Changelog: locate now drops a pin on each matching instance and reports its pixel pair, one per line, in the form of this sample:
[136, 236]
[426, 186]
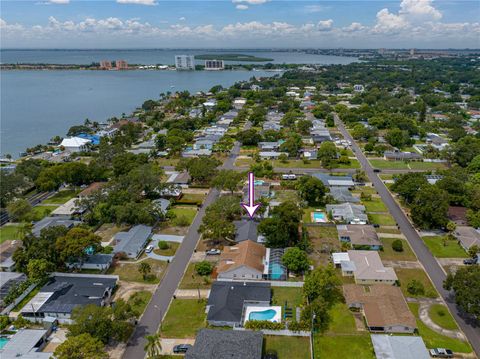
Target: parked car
[441, 353]
[213, 252]
[270, 354]
[149, 249]
[470, 261]
[181, 348]
[377, 170]
[289, 176]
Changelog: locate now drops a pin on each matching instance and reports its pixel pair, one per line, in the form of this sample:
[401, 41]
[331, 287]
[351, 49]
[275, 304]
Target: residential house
[368, 268]
[383, 306]
[226, 344]
[269, 146]
[360, 236]
[227, 300]
[8, 280]
[7, 248]
[347, 212]
[271, 155]
[161, 205]
[436, 141]
[309, 154]
[91, 189]
[402, 156]
[68, 209]
[203, 144]
[320, 135]
[342, 195]
[99, 261]
[65, 291]
[179, 178]
[261, 190]
[75, 144]
[47, 222]
[335, 181]
[132, 242]
[243, 261]
[238, 103]
[271, 125]
[196, 153]
[26, 344]
[195, 113]
[399, 347]
[338, 258]
[246, 229]
[467, 236]
[94, 139]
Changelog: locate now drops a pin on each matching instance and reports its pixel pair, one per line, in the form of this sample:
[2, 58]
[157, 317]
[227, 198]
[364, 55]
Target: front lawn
[433, 339]
[192, 198]
[344, 346]
[384, 164]
[375, 205]
[40, 212]
[170, 251]
[61, 197]
[182, 212]
[381, 219]
[406, 275]
[451, 249]
[9, 232]
[129, 271]
[442, 317]
[427, 166]
[287, 347]
[139, 301]
[390, 255]
[184, 318]
[353, 164]
[191, 280]
[243, 162]
[296, 164]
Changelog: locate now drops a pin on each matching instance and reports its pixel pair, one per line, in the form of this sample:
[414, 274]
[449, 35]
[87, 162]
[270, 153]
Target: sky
[239, 24]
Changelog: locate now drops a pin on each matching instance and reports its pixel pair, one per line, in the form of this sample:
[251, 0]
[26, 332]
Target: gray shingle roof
[227, 298]
[133, 240]
[399, 347]
[48, 222]
[226, 344]
[245, 229]
[342, 194]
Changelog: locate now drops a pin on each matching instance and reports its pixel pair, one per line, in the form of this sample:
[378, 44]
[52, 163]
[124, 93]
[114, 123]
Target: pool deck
[277, 318]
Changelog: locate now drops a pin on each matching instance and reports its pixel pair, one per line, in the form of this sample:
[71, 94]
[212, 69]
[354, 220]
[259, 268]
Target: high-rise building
[412, 52]
[105, 64]
[121, 65]
[214, 65]
[184, 62]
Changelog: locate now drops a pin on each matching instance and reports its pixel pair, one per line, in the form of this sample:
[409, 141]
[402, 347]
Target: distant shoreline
[232, 57]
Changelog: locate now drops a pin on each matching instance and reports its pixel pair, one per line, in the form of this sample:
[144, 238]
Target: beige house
[383, 306]
[244, 261]
[367, 268]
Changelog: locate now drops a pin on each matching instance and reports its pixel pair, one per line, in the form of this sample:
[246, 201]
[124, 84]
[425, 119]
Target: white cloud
[325, 25]
[421, 9]
[389, 22]
[241, 7]
[138, 2]
[314, 8]
[63, 2]
[353, 27]
[182, 18]
[251, 2]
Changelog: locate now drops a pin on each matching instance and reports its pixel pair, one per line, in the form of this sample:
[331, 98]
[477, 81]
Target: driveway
[433, 269]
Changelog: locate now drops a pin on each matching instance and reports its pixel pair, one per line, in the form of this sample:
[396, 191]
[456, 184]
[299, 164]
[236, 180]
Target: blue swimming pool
[319, 217]
[258, 182]
[3, 342]
[276, 271]
[268, 314]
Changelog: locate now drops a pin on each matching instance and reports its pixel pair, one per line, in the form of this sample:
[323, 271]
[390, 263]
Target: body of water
[157, 56]
[37, 105]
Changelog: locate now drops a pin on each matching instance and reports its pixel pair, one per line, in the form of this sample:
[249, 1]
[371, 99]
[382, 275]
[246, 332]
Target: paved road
[435, 272]
[300, 171]
[158, 306]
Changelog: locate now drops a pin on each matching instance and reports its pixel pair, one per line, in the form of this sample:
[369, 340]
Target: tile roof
[383, 305]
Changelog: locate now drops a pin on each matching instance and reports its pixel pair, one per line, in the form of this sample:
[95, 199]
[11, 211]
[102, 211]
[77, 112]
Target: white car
[149, 249]
[290, 176]
[213, 252]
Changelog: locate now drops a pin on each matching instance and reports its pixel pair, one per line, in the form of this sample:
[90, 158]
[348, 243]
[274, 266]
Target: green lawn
[287, 347]
[286, 195]
[184, 318]
[375, 205]
[129, 271]
[9, 232]
[167, 161]
[442, 317]
[292, 295]
[296, 164]
[389, 230]
[365, 189]
[381, 219]
[196, 198]
[243, 162]
[342, 320]
[170, 251]
[61, 197]
[39, 212]
[352, 164]
[451, 249]
[390, 255]
[139, 301]
[184, 211]
[405, 275]
[324, 240]
[345, 346]
[433, 339]
[427, 166]
[191, 280]
[384, 164]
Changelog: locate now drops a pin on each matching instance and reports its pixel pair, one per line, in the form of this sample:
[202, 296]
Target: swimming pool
[319, 217]
[3, 341]
[276, 271]
[258, 182]
[272, 314]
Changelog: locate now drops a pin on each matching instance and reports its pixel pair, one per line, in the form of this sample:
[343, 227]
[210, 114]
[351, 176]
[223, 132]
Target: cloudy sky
[239, 24]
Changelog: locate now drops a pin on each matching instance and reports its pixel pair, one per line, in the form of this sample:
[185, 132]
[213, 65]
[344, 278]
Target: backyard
[324, 240]
[184, 318]
[182, 213]
[287, 347]
[9, 232]
[444, 248]
[291, 296]
[39, 212]
[433, 339]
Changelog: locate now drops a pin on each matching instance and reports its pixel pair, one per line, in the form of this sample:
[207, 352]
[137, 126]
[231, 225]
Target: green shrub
[298, 326]
[204, 268]
[415, 287]
[263, 324]
[181, 221]
[397, 245]
[163, 245]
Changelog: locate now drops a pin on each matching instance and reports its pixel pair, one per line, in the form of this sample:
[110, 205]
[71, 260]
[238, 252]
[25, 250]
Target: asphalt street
[433, 269]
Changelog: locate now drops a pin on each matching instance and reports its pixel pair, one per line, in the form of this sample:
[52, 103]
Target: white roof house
[75, 144]
[69, 208]
[399, 347]
[340, 257]
[369, 268]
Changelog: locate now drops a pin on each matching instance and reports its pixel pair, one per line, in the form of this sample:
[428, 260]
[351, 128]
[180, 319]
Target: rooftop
[48, 222]
[358, 234]
[399, 347]
[133, 240]
[342, 194]
[369, 266]
[245, 229]
[23, 343]
[246, 253]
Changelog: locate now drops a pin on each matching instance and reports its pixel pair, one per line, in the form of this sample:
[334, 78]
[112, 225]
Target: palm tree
[153, 346]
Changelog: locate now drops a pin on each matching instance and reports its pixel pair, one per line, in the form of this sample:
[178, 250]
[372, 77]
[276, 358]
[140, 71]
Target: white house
[75, 144]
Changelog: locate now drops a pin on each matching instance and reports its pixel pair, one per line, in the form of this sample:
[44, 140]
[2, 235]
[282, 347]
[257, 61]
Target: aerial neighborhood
[130, 237]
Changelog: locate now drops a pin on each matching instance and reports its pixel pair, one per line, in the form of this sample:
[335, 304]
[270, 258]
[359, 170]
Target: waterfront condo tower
[184, 62]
